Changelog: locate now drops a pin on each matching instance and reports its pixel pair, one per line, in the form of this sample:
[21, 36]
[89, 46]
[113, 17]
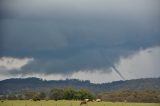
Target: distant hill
[18, 84]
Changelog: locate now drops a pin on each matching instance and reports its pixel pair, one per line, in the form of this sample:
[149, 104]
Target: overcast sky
[97, 40]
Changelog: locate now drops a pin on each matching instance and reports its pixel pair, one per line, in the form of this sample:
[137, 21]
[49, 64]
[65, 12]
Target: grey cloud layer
[67, 36]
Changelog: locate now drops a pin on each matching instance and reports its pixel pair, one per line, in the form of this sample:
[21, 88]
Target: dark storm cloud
[67, 36]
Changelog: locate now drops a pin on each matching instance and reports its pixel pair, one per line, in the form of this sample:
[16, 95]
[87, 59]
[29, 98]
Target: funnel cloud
[111, 65]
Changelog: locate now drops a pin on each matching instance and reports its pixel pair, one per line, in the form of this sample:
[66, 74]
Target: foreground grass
[69, 103]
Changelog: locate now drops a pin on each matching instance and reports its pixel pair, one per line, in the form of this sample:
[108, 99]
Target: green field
[69, 103]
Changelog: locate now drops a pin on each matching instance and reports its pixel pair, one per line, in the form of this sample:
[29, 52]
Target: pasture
[69, 103]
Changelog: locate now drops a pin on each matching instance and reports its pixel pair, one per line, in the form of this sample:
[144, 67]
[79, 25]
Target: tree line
[53, 94]
[70, 94]
[81, 94]
[147, 96]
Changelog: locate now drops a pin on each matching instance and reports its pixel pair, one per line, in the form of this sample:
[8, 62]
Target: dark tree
[57, 94]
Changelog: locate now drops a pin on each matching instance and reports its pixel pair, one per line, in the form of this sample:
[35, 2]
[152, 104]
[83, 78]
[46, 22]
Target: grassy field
[69, 103]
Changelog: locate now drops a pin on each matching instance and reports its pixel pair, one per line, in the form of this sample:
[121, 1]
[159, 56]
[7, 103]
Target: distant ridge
[20, 84]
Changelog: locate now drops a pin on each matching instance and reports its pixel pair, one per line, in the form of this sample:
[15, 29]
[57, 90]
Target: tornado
[113, 67]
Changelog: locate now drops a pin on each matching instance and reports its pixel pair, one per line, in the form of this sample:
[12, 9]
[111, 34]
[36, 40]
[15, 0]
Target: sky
[96, 40]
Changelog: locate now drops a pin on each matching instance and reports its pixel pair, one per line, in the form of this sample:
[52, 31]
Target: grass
[69, 103]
